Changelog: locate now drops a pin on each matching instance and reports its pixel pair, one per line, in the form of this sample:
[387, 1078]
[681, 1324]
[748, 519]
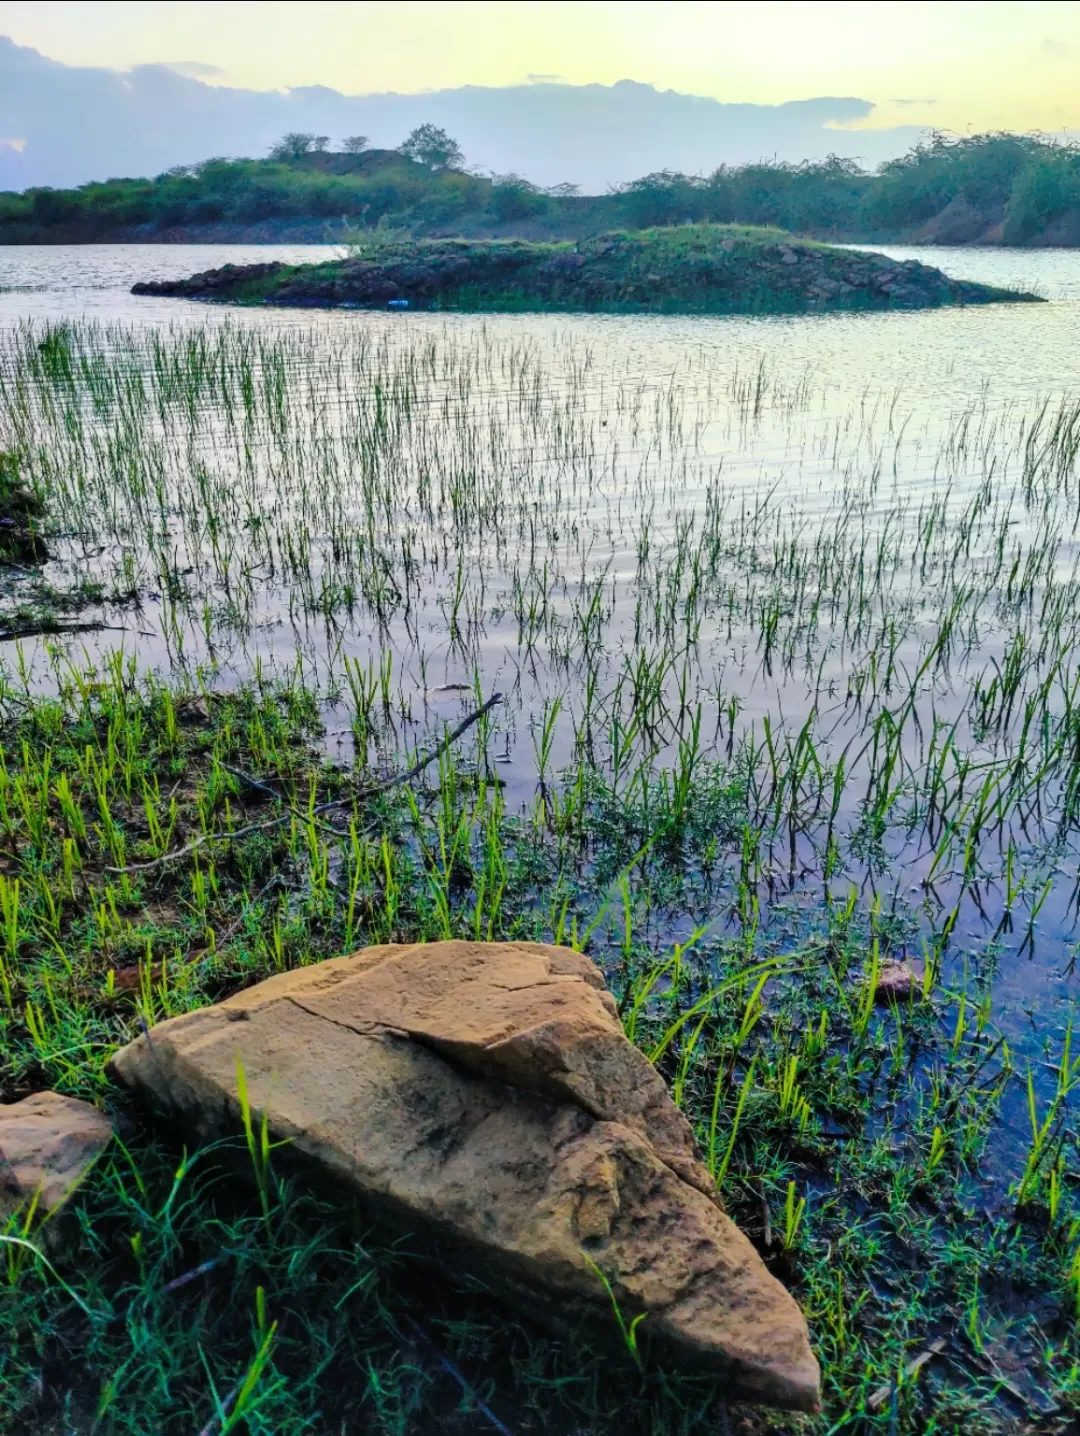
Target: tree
[354, 144]
[515, 198]
[1044, 190]
[297, 144]
[664, 197]
[430, 146]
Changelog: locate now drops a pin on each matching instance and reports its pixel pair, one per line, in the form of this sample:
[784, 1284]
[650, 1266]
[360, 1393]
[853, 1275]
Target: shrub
[1047, 187]
[515, 198]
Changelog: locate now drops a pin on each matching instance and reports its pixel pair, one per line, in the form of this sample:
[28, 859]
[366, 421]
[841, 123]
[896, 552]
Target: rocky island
[715, 269]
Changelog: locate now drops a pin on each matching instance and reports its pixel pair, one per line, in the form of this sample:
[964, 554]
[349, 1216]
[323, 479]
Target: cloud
[82, 124]
[1051, 46]
[913, 102]
[195, 69]
[17, 145]
[544, 79]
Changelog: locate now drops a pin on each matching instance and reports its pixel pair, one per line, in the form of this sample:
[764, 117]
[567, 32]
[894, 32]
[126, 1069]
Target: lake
[590, 460]
[784, 613]
[842, 545]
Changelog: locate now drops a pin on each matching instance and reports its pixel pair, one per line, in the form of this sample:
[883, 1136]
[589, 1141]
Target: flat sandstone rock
[484, 1097]
[47, 1145]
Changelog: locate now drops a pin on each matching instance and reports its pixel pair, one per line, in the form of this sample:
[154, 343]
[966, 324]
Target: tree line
[1022, 183]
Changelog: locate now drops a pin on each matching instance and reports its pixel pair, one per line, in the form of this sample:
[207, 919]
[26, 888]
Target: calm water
[1003, 350]
[578, 464]
[847, 405]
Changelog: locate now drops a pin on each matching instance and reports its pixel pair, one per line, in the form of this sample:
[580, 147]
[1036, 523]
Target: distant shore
[994, 189]
[956, 227]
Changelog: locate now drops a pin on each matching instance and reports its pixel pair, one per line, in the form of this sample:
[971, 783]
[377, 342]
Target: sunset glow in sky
[961, 66]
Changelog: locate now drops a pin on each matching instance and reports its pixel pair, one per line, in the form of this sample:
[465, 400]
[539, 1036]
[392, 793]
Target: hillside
[989, 189]
[690, 269]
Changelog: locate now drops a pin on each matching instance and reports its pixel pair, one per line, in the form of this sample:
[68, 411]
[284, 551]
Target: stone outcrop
[484, 1098]
[47, 1145]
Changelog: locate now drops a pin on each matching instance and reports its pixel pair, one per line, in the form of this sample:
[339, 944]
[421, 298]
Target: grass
[756, 742]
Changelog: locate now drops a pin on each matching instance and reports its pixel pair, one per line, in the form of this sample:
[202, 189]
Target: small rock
[483, 1097]
[48, 1143]
[896, 981]
[788, 256]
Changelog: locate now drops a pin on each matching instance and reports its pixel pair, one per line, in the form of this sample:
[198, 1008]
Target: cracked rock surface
[484, 1097]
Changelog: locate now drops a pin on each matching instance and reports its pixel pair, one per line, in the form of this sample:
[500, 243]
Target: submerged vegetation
[990, 188]
[20, 513]
[758, 741]
[717, 269]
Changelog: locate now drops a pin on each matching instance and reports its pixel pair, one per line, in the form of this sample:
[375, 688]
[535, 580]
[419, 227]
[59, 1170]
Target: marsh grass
[859, 1134]
[753, 747]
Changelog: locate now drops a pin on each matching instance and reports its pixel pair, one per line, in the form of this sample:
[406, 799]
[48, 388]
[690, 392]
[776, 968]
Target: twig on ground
[448, 1366]
[40, 630]
[440, 748]
[882, 1394]
[256, 783]
[374, 792]
[201, 1270]
[302, 813]
[219, 1417]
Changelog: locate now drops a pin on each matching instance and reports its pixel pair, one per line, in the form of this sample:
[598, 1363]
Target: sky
[961, 67]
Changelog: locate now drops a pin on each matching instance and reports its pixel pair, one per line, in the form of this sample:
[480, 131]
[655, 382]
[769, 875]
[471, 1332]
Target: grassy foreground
[712, 269]
[756, 741]
[843, 1136]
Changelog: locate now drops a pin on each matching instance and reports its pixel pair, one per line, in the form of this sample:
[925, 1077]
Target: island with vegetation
[719, 269]
[982, 189]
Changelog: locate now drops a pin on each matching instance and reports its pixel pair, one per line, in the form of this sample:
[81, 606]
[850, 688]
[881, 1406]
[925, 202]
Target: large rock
[47, 1145]
[483, 1096]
